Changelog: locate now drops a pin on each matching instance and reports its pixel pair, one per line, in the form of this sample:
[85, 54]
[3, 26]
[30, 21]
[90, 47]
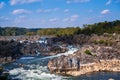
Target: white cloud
[53, 19]
[74, 17]
[3, 18]
[108, 2]
[20, 11]
[66, 19]
[105, 11]
[15, 2]
[22, 17]
[55, 9]
[47, 10]
[71, 18]
[44, 10]
[68, 2]
[76, 1]
[66, 10]
[2, 4]
[39, 11]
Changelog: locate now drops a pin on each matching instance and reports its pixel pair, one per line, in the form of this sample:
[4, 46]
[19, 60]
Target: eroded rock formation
[9, 51]
[88, 59]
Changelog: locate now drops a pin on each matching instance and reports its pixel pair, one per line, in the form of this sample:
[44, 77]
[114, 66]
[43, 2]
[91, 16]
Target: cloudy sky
[57, 13]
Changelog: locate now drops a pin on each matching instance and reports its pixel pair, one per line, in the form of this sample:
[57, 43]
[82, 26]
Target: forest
[87, 29]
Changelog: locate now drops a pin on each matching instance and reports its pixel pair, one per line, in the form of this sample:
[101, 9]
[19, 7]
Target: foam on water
[37, 71]
[34, 73]
[27, 58]
[70, 51]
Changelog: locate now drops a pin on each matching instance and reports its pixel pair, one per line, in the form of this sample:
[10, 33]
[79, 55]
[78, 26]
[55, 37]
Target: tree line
[87, 29]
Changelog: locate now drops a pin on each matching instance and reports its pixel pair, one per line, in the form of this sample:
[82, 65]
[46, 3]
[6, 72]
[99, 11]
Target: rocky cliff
[9, 51]
[42, 49]
[102, 65]
[88, 58]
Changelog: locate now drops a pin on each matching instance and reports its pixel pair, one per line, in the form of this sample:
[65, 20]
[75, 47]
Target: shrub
[94, 55]
[87, 52]
[95, 42]
[101, 41]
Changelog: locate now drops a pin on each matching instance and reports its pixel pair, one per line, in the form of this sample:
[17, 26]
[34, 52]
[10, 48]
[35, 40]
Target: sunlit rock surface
[101, 58]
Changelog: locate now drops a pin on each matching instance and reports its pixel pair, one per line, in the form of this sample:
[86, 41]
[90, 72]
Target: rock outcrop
[102, 65]
[42, 49]
[4, 75]
[9, 51]
[88, 59]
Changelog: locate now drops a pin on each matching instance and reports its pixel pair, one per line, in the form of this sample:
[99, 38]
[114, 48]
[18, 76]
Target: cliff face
[43, 49]
[112, 40]
[88, 59]
[9, 51]
[103, 65]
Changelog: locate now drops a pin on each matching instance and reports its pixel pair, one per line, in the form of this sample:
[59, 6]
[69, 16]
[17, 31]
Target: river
[35, 68]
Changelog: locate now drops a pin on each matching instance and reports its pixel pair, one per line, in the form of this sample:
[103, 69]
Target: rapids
[35, 68]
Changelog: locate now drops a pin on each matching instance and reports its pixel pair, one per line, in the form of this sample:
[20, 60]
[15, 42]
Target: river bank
[103, 65]
[12, 49]
[89, 58]
[92, 50]
[35, 67]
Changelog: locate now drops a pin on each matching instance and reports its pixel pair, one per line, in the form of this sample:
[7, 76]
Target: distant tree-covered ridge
[88, 29]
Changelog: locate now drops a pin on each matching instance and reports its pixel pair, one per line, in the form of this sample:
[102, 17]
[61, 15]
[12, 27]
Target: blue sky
[57, 13]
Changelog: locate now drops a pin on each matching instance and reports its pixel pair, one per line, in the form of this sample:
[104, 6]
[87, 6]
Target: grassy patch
[103, 42]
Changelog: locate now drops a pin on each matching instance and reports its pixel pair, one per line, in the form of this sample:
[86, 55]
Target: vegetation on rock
[88, 52]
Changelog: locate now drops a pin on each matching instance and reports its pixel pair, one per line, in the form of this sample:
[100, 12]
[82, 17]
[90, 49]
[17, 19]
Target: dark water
[99, 76]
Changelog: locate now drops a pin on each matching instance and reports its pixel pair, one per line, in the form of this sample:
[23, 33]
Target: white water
[37, 71]
[70, 51]
[27, 58]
